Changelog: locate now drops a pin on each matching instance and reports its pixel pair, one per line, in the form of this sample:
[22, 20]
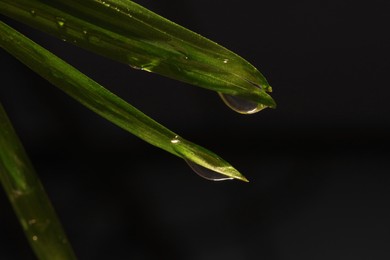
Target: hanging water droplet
[225, 61]
[241, 105]
[32, 12]
[207, 173]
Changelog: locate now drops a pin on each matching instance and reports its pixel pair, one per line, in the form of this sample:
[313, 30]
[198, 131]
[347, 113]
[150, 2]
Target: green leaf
[28, 198]
[106, 104]
[129, 33]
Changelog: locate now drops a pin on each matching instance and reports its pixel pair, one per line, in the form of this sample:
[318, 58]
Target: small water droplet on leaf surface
[175, 140]
[60, 22]
[207, 173]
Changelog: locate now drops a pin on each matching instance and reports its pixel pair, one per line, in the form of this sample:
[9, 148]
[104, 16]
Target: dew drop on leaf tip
[241, 105]
[207, 173]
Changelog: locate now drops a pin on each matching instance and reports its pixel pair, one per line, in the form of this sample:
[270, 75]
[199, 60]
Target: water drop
[207, 173]
[60, 22]
[85, 34]
[225, 61]
[145, 67]
[106, 4]
[33, 13]
[35, 238]
[175, 140]
[135, 67]
[148, 69]
[241, 105]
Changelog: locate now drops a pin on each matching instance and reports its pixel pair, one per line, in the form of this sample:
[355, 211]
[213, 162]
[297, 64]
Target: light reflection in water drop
[206, 173]
[147, 67]
[60, 22]
[241, 105]
[175, 140]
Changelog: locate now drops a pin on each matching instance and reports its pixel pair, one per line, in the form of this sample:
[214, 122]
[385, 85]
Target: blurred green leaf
[28, 198]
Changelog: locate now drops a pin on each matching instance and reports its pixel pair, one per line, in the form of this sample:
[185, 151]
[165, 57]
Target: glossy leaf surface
[127, 32]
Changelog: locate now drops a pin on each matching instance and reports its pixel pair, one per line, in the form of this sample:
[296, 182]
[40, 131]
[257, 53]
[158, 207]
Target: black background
[318, 165]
